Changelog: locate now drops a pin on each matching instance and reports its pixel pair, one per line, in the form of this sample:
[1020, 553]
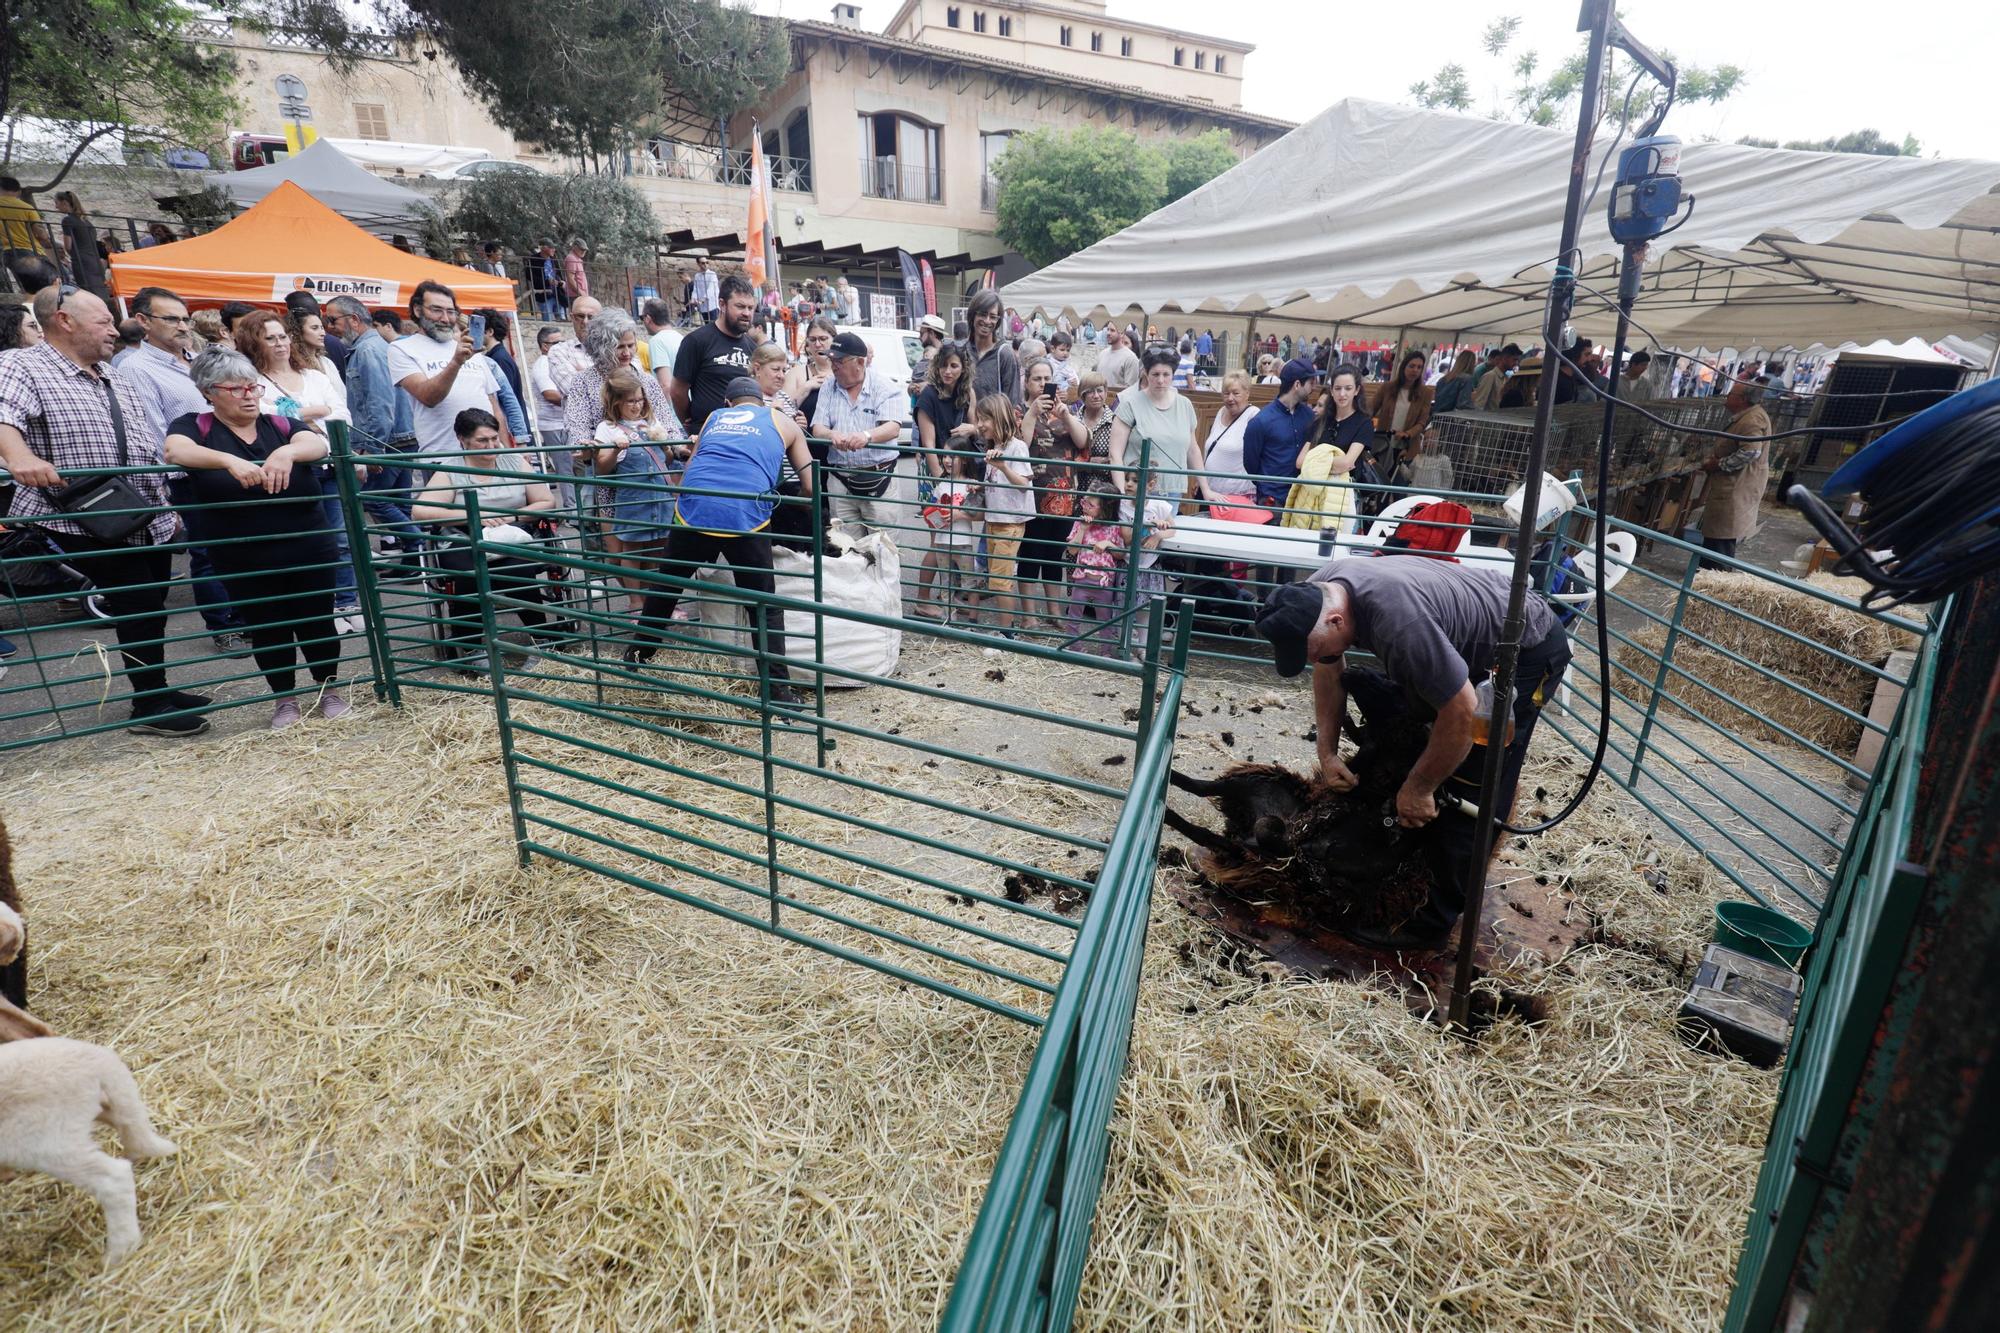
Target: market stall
[289, 242]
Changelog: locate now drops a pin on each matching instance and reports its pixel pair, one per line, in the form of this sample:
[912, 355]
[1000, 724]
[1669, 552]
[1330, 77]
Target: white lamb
[52, 1090]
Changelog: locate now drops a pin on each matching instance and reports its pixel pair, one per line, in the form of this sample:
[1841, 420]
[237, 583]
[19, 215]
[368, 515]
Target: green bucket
[1753, 929]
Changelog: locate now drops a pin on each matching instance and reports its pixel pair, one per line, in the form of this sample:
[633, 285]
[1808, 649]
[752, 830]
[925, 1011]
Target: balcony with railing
[893, 178]
[675, 159]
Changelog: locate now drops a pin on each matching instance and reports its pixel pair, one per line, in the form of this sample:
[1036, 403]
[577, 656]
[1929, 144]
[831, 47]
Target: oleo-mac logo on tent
[326, 286]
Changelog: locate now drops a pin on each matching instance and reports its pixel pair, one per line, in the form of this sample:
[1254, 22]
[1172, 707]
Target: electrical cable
[1624, 123]
[1600, 576]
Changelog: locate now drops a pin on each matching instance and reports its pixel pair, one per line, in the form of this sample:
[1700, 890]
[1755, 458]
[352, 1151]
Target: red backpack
[1434, 530]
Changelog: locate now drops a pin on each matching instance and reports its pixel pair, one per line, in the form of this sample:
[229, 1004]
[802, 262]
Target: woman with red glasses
[278, 562]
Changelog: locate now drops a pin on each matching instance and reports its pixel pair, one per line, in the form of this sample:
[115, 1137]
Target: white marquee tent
[1385, 217]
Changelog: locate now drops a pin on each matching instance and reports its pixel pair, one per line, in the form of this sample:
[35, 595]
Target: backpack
[1434, 530]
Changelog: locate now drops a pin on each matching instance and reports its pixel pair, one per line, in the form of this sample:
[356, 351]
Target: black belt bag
[107, 508]
[867, 482]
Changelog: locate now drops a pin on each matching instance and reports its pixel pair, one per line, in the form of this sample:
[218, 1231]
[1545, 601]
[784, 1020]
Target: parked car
[256, 150]
[482, 166]
[892, 351]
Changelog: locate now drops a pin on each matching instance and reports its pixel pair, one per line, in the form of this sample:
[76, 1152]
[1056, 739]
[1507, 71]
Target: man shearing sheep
[1434, 626]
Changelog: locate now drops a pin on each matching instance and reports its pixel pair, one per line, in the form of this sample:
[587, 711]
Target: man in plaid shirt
[56, 427]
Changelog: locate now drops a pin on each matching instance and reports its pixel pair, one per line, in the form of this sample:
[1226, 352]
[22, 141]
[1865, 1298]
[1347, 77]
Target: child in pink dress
[1097, 549]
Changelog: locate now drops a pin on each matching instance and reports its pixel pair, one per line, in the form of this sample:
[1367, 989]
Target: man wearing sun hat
[1434, 627]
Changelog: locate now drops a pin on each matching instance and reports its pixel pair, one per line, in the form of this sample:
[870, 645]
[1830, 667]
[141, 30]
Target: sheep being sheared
[51, 1092]
[1329, 857]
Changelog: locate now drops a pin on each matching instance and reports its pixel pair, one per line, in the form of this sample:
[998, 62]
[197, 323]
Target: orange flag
[757, 233]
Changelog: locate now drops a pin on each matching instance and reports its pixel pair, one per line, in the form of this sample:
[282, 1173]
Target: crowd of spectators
[1017, 465]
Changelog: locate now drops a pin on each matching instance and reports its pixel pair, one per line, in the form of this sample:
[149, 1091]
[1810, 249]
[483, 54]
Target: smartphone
[1049, 392]
[476, 326]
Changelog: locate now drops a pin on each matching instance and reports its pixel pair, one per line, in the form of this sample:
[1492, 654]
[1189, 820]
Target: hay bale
[1720, 681]
[420, 1086]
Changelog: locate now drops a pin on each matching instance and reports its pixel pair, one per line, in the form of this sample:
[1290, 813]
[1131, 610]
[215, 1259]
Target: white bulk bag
[856, 574]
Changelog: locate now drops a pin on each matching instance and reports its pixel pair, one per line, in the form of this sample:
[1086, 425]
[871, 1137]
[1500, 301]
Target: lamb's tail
[125, 1112]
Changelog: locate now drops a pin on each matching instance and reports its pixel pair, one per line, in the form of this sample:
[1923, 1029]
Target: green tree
[583, 77]
[1855, 141]
[1193, 163]
[1061, 191]
[99, 67]
[519, 208]
[1543, 99]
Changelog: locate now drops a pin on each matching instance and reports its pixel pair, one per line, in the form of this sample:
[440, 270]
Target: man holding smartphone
[428, 367]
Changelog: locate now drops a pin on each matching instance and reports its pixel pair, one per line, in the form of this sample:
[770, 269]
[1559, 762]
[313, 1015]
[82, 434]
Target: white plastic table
[1292, 548]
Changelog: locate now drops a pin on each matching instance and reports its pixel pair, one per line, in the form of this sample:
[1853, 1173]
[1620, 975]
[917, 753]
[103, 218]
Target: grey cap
[742, 387]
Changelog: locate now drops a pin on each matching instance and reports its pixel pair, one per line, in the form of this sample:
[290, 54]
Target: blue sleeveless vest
[741, 451]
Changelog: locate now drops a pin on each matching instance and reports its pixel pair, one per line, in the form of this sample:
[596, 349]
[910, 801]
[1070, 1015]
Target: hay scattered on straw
[415, 1085]
[1845, 631]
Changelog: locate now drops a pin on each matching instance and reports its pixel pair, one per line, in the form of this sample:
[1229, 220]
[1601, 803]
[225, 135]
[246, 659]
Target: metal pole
[1562, 289]
[496, 669]
[367, 585]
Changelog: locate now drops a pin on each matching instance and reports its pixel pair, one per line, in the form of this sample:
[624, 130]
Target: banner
[881, 311]
[930, 287]
[913, 286]
[756, 234]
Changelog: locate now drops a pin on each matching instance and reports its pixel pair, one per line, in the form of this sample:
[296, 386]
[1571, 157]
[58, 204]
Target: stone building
[876, 139]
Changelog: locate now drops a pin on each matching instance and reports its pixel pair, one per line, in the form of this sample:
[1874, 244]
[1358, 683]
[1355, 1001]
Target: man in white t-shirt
[427, 365]
[663, 340]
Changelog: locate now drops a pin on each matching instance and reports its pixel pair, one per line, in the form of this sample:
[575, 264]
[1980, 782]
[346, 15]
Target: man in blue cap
[1434, 626]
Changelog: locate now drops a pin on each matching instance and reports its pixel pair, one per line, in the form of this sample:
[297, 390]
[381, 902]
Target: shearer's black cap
[1286, 619]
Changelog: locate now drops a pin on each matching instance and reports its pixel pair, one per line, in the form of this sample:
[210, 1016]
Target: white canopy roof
[1384, 217]
[326, 174]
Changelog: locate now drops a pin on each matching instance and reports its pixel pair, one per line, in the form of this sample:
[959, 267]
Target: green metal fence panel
[1727, 765]
[1856, 951]
[1024, 1263]
[84, 620]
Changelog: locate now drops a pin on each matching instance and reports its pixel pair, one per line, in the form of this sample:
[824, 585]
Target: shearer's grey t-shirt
[1434, 625]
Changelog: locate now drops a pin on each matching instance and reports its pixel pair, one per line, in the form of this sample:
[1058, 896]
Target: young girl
[1009, 504]
[632, 446]
[952, 516]
[1097, 546]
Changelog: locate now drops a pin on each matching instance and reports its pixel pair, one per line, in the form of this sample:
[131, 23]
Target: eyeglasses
[239, 388]
[168, 319]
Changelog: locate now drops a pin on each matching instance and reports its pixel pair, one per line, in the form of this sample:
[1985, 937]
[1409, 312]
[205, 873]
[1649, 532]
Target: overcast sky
[1813, 70]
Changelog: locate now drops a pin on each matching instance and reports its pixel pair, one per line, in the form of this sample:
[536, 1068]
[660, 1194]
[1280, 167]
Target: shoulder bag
[109, 508]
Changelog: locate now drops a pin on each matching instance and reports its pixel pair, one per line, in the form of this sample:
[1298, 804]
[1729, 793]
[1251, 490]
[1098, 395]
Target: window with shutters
[371, 120]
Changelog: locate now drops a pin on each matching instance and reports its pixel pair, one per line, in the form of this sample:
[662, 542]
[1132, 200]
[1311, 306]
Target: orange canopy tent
[290, 242]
